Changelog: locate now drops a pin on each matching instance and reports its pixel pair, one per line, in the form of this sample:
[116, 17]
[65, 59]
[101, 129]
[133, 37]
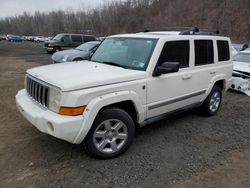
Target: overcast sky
[17, 7]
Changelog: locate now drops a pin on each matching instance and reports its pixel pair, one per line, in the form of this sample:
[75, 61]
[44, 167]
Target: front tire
[212, 103]
[111, 134]
[56, 49]
[78, 59]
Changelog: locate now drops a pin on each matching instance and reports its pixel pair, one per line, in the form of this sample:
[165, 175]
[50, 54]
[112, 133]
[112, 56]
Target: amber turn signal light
[68, 111]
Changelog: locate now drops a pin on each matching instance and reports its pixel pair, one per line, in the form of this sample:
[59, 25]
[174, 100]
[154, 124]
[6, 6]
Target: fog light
[50, 127]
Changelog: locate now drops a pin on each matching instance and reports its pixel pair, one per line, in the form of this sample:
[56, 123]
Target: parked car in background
[40, 39]
[66, 41]
[82, 52]
[240, 47]
[241, 72]
[3, 37]
[25, 38]
[15, 38]
[30, 38]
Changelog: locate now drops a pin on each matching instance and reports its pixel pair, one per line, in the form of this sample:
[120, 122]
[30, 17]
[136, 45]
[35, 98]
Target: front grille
[46, 44]
[37, 91]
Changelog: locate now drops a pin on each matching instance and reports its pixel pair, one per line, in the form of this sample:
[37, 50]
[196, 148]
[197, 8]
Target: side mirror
[166, 67]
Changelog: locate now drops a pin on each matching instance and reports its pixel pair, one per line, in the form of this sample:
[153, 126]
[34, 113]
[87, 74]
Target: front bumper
[242, 85]
[49, 49]
[62, 127]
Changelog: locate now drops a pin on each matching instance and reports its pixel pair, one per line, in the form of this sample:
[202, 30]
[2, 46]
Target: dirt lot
[187, 150]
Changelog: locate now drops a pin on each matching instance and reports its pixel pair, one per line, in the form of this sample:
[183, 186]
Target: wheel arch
[220, 81]
[129, 101]
[221, 84]
[77, 59]
[128, 106]
[56, 46]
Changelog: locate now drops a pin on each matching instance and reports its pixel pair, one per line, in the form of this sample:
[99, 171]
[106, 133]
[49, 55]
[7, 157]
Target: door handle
[186, 77]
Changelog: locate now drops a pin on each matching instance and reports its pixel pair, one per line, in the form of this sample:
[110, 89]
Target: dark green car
[15, 38]
[65, 41]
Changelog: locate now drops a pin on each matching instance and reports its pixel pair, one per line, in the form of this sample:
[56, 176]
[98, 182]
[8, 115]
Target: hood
[50, 41]
[83, 74]
[69, 55]
[241, 66]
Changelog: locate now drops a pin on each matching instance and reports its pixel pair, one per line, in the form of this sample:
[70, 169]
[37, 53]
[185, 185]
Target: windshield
[131, 53]
[58, 37]
[86, 46]
[242, 57]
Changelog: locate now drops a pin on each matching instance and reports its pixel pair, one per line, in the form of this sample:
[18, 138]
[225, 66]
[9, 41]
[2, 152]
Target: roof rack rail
[171, 29]
[202, 32]
[188, 31]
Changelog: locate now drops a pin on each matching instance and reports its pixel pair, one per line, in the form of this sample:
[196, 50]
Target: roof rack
[170, 29]
[187, 31]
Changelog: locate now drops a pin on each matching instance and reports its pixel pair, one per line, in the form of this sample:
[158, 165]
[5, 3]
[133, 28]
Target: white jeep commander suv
[132, 79]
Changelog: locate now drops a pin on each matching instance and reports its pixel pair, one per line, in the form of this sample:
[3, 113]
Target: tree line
[229, 16]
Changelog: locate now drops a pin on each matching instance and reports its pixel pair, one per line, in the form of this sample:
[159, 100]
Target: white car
[131, 80]
[241, 72]
[40, 39]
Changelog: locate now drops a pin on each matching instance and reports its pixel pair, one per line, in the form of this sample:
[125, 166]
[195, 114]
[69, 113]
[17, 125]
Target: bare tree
[230, 16]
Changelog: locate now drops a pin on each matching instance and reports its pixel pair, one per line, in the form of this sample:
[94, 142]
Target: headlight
[64, 59]
[49, 45]
[54, 99]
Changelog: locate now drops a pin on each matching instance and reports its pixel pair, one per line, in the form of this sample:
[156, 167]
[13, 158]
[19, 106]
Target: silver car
[82, 52]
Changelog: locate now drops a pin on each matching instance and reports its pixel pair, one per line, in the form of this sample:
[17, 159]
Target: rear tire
[111, 134]
[213, 101]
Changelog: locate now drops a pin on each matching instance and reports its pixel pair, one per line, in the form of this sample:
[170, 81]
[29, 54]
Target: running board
[169, 114]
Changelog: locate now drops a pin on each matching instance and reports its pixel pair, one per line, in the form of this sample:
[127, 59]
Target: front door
[171, 91]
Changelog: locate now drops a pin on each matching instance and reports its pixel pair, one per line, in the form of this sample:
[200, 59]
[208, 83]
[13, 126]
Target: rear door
[76, 40]
[204, 67]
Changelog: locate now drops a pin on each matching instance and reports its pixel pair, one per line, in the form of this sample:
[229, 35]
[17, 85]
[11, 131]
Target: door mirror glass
[166, 67]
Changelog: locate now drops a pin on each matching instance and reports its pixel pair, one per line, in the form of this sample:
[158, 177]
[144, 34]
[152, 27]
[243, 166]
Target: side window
[65, 38]
[88, 38]
[204, 52]
[175, 51]
[76, 38]
[223, 50]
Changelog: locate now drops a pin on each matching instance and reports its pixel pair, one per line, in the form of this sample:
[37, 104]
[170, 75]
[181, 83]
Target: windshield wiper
[114, 64]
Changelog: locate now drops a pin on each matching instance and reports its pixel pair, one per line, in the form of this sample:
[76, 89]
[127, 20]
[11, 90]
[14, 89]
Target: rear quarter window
[223, 50]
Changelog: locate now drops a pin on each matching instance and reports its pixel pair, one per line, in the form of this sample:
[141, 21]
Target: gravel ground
[187, 150]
